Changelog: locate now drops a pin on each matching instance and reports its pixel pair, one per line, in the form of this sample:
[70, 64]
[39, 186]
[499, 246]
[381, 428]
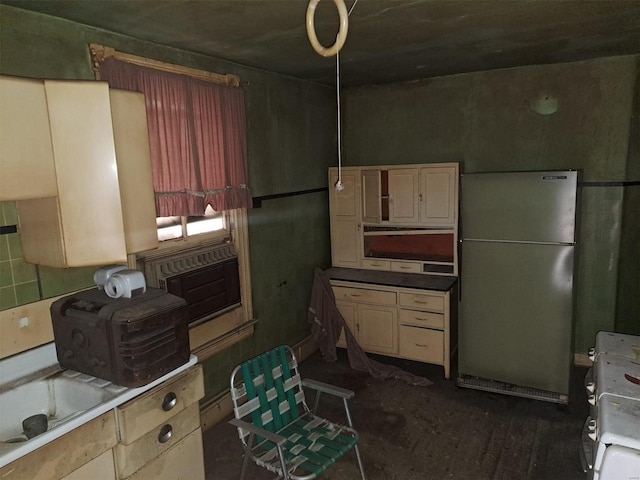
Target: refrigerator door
[516, 314]
[519, 206]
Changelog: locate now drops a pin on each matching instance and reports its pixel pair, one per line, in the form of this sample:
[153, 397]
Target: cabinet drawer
[157, 406]
[421, 319]
[422, 344]
[131, 458]
[406, 267]
[365, 296]
[376, 264]
[422, 301]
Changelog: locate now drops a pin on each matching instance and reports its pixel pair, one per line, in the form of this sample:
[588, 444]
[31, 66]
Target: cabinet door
[345, 202]
[438, 195]
[87, 227]
[344, 209]
[371, 196]
[377, 328]
[345, 244]
[100, 468]
[349, 312]
[403, 195]
[131, 139]
[26, 155]
[185, 461]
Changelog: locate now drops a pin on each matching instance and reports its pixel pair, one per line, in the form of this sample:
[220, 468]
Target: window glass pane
[211, 221]
[169, 228]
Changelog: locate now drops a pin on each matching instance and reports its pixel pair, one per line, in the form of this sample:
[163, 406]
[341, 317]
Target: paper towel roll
[125, 284]
[103, 274]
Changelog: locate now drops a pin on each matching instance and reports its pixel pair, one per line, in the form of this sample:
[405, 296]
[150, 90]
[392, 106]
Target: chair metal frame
[276, 427]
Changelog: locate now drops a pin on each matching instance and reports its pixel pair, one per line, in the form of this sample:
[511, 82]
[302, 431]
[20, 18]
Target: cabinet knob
[170, 400]
[165, 433]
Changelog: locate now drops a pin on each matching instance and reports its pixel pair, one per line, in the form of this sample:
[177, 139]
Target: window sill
[219, 333]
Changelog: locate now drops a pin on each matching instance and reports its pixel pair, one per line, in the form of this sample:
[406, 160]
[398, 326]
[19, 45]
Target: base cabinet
[154, 436]
[409, 323]
[155, 424]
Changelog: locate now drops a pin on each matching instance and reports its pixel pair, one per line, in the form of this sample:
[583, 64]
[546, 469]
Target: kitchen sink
[34, 383]
[61, 395]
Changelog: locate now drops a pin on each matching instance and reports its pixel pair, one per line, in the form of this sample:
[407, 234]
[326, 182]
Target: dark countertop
[439, 283]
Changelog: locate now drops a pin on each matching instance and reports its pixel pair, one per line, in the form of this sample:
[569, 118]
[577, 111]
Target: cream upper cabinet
[85, 193]
[403, 195]
[344, 206]
[398, 218]
[83, 224]
[25, 141]
[438, 195]
[131, 140]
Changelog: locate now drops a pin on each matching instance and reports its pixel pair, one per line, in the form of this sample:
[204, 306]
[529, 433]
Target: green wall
[291, 143]
[484, 120]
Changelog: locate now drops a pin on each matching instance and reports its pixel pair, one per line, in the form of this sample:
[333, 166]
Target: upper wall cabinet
[26, 153]
[91, 207]
[400, 218]
[135, 181]
[346, 236]
[410, 196]
[439, 195]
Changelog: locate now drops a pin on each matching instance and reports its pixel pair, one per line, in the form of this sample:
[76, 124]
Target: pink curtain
[197, 138]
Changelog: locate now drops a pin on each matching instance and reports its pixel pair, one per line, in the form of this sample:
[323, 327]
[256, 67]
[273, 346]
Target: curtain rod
[99, 53]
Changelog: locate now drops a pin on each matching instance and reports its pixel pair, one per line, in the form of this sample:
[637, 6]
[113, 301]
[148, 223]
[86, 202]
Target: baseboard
[581, 360]
[218, 409]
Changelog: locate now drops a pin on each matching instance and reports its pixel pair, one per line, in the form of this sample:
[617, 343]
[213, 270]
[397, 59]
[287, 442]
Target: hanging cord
[339, 184]
[341, 37]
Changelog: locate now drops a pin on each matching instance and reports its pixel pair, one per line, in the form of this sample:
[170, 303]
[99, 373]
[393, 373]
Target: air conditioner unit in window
[206, 277]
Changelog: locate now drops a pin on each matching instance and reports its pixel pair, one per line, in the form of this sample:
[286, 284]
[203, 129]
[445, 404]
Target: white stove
[611, 434]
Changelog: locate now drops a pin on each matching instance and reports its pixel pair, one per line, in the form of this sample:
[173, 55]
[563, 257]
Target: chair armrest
[272, 437]
[326, 388]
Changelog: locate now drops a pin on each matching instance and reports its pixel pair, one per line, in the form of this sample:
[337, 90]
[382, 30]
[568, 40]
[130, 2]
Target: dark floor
[433, 433]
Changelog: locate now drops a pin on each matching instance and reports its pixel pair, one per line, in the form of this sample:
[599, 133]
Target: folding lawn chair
[279, 432]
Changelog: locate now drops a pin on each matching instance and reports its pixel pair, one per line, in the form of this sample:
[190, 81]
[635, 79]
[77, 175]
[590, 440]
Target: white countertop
[41, 358]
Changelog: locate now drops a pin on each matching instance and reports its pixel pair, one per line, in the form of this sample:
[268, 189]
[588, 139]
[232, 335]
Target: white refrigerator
[517, 255]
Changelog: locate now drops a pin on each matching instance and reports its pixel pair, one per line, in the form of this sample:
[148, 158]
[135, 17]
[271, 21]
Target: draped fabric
[197, 138]
[326, 324]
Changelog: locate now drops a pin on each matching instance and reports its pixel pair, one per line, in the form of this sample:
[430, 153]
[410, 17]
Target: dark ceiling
[388, 40]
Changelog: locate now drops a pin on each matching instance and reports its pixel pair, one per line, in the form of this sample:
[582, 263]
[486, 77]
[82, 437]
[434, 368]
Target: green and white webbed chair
[278, 430]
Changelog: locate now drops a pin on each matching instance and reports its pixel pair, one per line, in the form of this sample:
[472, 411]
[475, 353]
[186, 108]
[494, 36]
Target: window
[212, 222]
[185, 229]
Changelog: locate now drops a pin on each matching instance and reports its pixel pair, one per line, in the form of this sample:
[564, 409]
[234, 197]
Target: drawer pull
[404, 267]
[420, 345]
[356, 295]
[165, 433]
[170, 400]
